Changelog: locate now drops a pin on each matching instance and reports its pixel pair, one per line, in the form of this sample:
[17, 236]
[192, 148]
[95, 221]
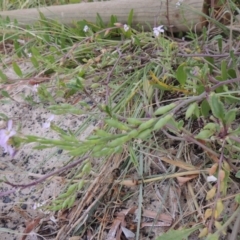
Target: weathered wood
[153, 12]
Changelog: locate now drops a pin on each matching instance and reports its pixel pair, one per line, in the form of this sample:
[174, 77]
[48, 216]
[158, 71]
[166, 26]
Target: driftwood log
[146, 13]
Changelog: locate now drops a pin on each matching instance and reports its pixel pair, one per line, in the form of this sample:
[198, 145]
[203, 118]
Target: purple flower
[48, 122]
[5, 135]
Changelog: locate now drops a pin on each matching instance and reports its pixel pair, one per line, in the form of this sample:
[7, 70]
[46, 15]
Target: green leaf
[165, 109]
[3, 116]
[17, 69]
[136, 41]
[5, 94]
[65, 108]
[145, 134]
[87, 167]
[230, 116]
[216, 106]
[99, 21]
[34, 62]
[3, 76]
[238, 176]
[113, 20]
[204, 134]
[212, 237]
[181, 74]
[210, 126]
[178, 234]
[210, 61]
[17, 48]
[232, 73]
[130, 18]
[116, 124]
[191, 110]
[237, 198]
[180, 124]
[162, 122]
[133, 157]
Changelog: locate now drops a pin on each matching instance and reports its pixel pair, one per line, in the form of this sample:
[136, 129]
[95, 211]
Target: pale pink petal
[10, 125]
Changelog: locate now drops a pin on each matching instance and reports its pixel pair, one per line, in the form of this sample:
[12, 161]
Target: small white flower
[48, 122]
[5, 135]
[37, 205]
[35, 88]
[125, 27]
[86, 28]
[211, 179]
[178, 4]
[158, 30]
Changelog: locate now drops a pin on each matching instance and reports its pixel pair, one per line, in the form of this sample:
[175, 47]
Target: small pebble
[7, 199]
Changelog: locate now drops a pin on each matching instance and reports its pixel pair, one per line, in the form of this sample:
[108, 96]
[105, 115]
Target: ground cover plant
[142, 129]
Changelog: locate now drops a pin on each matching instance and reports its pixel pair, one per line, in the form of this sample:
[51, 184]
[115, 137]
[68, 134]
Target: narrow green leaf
[145, 134]
[99, 21]
[162, 122]
[212, 237]
[17, 48]
[130, 18]
[165, 109]
[148, 124]
[17, 69]
[65, 108]
[210, 61]
[136, 41]
[178, 234]
[191, 110]
[210, 126]
[230, 116]
[5, 94]
[34, 62]
[216, 106]
[118, 142]
[204, 134]
[181, 74]
[3, 76]
[117, 124]
[205, 108]
[3, 116]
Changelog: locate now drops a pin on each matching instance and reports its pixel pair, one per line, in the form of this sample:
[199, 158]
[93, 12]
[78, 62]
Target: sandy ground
[17, 209]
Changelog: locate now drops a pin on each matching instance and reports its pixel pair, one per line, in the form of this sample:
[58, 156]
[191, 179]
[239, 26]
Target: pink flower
[5, 135]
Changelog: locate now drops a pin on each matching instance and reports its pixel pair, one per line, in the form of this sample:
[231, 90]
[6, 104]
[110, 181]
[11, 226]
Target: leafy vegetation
[150, 96]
